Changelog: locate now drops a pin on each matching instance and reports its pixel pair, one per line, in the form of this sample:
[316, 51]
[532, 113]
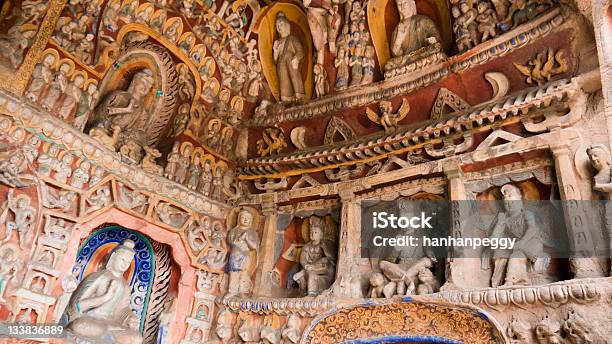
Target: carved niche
[139, 95]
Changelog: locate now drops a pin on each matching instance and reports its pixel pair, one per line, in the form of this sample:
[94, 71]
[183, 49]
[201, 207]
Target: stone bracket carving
[449, 148]
[552, 120]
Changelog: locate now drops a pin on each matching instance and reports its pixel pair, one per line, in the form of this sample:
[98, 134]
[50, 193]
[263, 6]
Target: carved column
[265, 261]
[580, 238]
[349, 243]
[461, 272]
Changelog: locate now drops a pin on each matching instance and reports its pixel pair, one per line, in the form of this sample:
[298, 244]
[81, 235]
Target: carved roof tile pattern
[372, 148]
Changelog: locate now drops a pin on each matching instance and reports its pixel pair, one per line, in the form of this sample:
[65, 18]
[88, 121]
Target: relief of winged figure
[387, 118]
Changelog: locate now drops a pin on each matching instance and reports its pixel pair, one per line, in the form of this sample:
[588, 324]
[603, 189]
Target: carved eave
[517, 107]
[306, 306]
[404, 84]
[580, 291]
[38, 121]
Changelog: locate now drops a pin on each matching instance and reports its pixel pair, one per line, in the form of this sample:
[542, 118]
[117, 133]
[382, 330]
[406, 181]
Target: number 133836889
[15, 330]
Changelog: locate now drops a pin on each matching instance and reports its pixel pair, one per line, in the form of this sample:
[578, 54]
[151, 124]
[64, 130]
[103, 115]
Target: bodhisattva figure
[183, 165]
[126, 109]
[512, 267]
[24, 217]
[41, 77]
[195, 170]
[602, 162]
[85, 106]
[57, 87]
[172, 164]
[99, 308]
[205, 182]
[318, 261]
[243, 241]
[217, 184]
[288, 55]
[73, 93]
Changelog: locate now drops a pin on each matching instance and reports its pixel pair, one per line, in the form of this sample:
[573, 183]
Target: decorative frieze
[552, 295]
[520, 105]
[306, 306]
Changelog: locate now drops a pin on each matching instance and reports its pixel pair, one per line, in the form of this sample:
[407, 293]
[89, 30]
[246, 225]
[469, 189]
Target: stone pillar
[578, 233]
[265, 260]
[349, 244]
[461, 272]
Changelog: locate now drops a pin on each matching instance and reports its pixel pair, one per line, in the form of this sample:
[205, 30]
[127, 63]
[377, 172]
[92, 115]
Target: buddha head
[406, 8]
[282, 25]
[245, 218]
[23, 202]
[65, 69]
[121, 257]
[600, 157]
[49, 60]
[316, 231]
[512, 197]
[141, 84]
[92, 88]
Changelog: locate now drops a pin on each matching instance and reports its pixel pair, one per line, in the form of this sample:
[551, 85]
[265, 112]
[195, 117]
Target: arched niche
[404, 321]
[187, 273]
[265, 28]
[141, 275]
[383, 17]
[160, 101]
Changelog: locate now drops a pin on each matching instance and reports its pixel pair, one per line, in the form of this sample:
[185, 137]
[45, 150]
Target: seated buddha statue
[415, 37]
[99, 309]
